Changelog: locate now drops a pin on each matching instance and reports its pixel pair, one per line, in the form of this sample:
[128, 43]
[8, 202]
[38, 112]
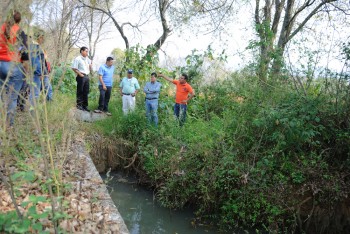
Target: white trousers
[128, 104]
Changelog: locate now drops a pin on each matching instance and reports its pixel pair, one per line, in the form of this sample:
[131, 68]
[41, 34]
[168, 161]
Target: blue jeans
[180, 112]
[105, 95]
[47, 88]
[12, 76]
[35, 86]
[151, 111]
[38, 85]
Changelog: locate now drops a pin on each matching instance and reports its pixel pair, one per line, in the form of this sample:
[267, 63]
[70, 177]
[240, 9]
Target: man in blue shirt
[105, 82]
[152, 89]
[129, 86]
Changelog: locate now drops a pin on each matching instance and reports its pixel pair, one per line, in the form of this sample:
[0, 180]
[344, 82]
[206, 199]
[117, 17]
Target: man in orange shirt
[184, 93]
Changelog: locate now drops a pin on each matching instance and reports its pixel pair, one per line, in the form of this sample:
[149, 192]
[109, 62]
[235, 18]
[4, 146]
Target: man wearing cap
[184, 93]
[105, 82]
[40, 68]
[129, 86]
[152, 89]
[82, 66]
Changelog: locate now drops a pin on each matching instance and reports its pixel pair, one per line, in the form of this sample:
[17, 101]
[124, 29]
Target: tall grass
[33, 151]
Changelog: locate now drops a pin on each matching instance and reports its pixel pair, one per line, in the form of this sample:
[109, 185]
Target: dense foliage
[267, 157]
[270, 157]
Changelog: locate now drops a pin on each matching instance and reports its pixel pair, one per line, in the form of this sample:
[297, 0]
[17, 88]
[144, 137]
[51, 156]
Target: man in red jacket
[13, 54]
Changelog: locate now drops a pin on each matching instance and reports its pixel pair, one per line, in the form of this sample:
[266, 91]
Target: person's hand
[184, 101]
[104, 87]
[81, 74]
[133, 94]
[160, 75]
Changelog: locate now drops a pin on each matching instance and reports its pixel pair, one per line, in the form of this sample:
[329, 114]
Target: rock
[86, 116]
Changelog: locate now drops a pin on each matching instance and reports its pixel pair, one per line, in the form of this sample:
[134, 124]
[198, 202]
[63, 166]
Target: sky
[181, 43]
[234, 40]
[238, 33]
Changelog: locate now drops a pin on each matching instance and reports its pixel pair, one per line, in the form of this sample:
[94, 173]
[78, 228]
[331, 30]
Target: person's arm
[23, 39]
[157, 89]
[26, 66]
[78, 72]
[75, 68]
[190, 96]
[24, 52]
[137, 87]
[165, 77]
[102, 83]
[42, 63]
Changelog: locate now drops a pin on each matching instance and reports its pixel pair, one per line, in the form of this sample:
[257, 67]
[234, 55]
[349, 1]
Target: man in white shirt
[82, 66]
[129, 86]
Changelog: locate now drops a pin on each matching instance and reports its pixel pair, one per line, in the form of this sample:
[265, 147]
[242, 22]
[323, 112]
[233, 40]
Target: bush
[249, 155]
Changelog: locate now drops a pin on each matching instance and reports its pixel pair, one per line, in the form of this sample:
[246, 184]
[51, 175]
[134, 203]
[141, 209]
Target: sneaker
[80, 108]
[108, 113]
[97, 111]
[86, 109]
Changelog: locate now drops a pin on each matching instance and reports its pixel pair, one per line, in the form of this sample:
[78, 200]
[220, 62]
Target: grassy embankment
[249, 155]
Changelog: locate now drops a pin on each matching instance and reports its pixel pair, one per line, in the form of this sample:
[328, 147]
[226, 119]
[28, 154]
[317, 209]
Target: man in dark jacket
[39, 68]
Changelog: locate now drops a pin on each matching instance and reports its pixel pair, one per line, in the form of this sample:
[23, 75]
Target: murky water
[142, 215]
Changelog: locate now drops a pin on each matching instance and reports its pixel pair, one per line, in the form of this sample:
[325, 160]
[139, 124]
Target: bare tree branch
[312, 13]
[110, 15]
[276, 19]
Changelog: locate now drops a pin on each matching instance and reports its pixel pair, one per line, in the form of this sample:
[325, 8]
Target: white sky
[238, 33]
[180, 44]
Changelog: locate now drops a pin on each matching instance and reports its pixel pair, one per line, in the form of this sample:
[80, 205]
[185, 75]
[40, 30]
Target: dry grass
[40, 144]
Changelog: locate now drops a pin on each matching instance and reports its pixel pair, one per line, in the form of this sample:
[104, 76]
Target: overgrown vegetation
[271, 158]
[43, 188]
[32, 159]
[262, 148]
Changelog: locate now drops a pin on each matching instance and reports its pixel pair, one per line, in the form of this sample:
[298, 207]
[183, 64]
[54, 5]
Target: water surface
[143, 215]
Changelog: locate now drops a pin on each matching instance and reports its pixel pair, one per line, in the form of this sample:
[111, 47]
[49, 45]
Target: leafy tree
[119, 59]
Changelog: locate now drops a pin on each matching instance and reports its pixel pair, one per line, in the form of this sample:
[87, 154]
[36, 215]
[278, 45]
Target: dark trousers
[83, 87]
[180, 112]
[105, 95]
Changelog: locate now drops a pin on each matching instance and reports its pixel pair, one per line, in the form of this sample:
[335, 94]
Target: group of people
[129, 87]
[19, 63]
[24, 64]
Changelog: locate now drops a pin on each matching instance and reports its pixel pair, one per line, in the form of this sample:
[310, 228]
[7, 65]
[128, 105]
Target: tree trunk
[263, 64]
[269, 51]
[151, 49]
